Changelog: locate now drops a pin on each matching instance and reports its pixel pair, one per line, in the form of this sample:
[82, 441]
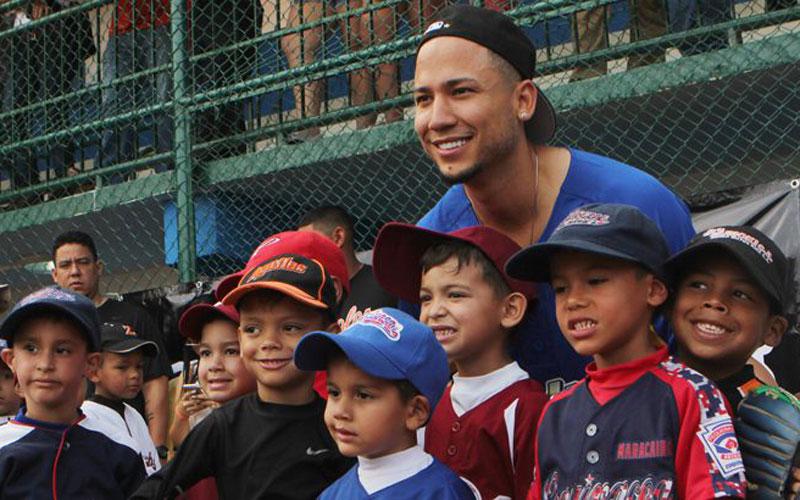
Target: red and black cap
[399, 248]
[297, 276]
[308, 243]
[763, 260]
[498, 33]
[197, 316]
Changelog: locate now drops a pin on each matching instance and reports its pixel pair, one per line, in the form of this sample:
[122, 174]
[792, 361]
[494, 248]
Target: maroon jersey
[483, 428]
[651, 428]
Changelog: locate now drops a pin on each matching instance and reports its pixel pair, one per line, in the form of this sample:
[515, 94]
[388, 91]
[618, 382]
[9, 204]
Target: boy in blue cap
[51, 449]
[386, 373]
[640, 423]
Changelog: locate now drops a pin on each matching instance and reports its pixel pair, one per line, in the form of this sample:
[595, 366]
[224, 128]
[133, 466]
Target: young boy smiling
[640, 423]
[51, 449]
[385, 374]
[272, 443]
[484, 426]
[731, 294]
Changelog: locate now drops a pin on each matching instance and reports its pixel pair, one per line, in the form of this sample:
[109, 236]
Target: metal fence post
[187, 269]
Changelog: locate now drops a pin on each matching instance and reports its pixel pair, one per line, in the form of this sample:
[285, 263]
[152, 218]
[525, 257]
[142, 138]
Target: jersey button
[451, 450]
[591, 430]
[592, 457]
[456, 427]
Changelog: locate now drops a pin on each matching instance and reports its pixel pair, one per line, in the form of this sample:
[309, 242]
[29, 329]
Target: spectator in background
[648, 19]
[689, 14]
[40, 64]
[139, 39]
[337, 225]
[361, 31]
[78, 268]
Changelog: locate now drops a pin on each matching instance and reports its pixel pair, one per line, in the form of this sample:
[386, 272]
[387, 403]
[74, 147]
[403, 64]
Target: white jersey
[131, 430]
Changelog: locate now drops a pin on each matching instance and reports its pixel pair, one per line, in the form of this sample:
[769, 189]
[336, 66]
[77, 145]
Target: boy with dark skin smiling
[640, 422]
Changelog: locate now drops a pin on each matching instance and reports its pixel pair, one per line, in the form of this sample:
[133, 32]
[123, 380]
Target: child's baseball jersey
[483, 428]
[64, 461]
[121, 421]
[651, 428]
[410, 474]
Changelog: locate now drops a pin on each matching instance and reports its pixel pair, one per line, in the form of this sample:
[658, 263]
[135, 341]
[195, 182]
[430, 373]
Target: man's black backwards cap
[498, 33]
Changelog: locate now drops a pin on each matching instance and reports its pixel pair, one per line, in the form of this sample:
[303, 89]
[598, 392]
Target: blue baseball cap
[55, 299]
[385, 343]
[613, 230]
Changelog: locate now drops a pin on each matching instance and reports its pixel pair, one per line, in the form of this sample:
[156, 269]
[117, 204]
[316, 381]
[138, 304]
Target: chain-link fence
[180, 133]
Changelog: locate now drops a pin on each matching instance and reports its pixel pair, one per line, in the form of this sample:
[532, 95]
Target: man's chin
[462, 177]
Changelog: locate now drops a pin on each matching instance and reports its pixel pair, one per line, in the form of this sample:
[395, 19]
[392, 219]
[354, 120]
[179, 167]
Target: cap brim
[533, 263]
[227, 284]
[677, 262]
[314, 350]
[194, 318]
[541, 128]
[233, 298]
[396, 258]
[15, 318]
[126, 346]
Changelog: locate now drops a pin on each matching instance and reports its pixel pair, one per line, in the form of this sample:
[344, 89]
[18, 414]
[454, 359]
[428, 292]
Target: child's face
[221, 369]
[269, 330]
[366, 415]
[604, 306]
[9, 399]
[465, 313]
[119, 376]
[50, 359]
[721, 316]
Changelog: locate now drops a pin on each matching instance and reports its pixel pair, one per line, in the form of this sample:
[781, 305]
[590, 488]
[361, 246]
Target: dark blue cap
[55, 299]
[613, 230]
[385, 343]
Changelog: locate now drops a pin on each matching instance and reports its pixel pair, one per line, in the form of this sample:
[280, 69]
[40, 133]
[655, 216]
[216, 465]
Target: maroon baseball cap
[399, 248]
[294, 275]
[307, 243]
[197, 316]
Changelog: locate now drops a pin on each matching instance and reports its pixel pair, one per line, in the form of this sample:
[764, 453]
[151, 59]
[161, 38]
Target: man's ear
[339, 236]
[8, 357]
[776, 327]
[418, 410]
[526, 96]
[92, 366]
[514, 306]
[101, 267]
[657, 291]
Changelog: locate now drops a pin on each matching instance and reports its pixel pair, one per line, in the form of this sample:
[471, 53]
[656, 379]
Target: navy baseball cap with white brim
[612, 230]
[59, 300]
[385, 343]
[498, 33]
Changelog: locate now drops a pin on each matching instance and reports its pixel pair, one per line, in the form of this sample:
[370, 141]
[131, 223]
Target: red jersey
[146, 14]
[483, 429]
[651, 428]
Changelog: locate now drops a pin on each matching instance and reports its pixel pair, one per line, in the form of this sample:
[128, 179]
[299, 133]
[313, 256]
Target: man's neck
[353, 264]
[98, 299]
[513, 198]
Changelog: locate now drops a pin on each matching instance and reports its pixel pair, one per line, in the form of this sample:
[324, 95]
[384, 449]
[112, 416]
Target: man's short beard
[462, 177]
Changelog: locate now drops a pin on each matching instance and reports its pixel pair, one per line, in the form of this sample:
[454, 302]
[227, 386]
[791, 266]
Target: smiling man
[77, 267]
[486, 125]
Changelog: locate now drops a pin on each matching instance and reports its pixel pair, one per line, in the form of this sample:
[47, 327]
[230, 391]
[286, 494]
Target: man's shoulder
[450, 212]
[614, 179]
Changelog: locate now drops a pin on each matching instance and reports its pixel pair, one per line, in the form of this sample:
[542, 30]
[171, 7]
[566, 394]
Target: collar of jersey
[22, 419]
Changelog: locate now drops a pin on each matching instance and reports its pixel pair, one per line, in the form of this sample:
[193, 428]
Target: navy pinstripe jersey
[73, 461]
[652, 428]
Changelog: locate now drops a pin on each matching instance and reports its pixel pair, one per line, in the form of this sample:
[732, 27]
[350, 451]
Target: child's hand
[191, 402]
[794, 487]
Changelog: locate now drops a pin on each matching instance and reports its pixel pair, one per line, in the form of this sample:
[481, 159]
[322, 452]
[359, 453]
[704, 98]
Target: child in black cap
[51, 449]
[119, 376]
[640, 422]
[731, 291]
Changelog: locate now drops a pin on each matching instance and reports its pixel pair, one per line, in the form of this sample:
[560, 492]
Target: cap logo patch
[584, 218]
[48, 293]
[264, 244]
[279, 264]
[389, 326]
[752, 242]
[436, 26]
